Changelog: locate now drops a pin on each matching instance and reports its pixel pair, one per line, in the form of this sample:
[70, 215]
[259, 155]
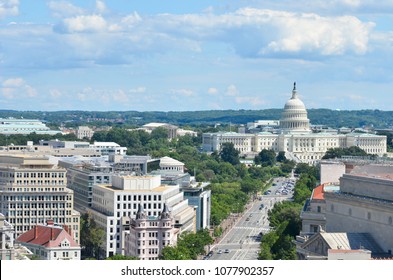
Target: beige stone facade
[32, 191]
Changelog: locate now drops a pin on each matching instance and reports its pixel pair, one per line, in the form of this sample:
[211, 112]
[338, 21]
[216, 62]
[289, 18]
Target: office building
[32, 191]
[112, 202]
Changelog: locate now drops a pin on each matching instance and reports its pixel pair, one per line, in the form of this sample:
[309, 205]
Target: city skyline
[194, 55]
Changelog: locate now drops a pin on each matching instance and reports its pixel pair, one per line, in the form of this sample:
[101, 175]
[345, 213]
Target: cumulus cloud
[64, 9]
[13, 82]
[138, 90]
[250, 100]
[212, 91]
[183, 92]
[12, 87]
[55, 93]
[85, 38]
[101, 7]
[231, 90]
[83, 23]
[120, 96]
[9, 8]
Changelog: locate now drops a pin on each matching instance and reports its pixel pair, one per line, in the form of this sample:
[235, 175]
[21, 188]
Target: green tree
[249, 185]
[339, 152]
[281, 157]
[159, 133]
[92, 237]
[266, 158]
[174, 253]
[229, 154]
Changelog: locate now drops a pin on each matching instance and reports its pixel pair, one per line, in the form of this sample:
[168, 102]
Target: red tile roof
[47, 236]
[318, 193]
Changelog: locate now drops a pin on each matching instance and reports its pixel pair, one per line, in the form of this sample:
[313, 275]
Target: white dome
[294, 117]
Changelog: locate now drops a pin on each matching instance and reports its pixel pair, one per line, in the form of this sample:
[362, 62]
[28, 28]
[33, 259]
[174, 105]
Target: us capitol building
[294, 137]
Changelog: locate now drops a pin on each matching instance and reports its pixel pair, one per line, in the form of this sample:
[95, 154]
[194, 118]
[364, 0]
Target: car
[219, 252]
[251, 215]
[247, 219]
[210, 254]
[260, 208]
[226, 251]
[262, 205]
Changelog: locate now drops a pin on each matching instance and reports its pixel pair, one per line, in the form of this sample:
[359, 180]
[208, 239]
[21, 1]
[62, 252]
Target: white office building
[113, 202]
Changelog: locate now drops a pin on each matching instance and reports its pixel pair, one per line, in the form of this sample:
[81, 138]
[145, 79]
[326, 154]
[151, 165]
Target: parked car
[226, 251]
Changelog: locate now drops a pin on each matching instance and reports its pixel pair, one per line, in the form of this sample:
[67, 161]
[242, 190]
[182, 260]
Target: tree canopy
[339, 152]
[229, 154]
[266, 158]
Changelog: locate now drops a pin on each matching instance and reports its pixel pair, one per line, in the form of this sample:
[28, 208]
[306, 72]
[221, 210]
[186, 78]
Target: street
[242, 240]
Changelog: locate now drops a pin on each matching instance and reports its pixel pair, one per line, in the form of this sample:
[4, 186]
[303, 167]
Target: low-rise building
[320, 244]
[145, 236]
[7, 235]
[84, 132]
[24, 126]
[50, 242]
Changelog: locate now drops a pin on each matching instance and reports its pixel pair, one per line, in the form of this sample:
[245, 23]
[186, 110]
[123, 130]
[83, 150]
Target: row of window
[39, 175]
[35, 197]
[39, 182]
[39, 213]
[47, 206]
[139, 197]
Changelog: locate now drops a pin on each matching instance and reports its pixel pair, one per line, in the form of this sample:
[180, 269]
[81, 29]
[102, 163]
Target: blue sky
[195, 55]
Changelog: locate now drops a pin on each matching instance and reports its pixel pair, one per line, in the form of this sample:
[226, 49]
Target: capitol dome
[294, 117]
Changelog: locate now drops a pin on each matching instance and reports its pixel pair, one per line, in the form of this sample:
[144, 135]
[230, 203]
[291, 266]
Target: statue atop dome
[294, 92]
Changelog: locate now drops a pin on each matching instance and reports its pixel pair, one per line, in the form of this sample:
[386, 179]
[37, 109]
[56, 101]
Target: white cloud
[9, 8]
[231, 90]
[85, 38]
[30, 91]
[356, 97]
[183, 92]
[13, 82]
[55, 93]
[84, 23]
[138, 90]
[101, 7]
[64, 9]
[250, 100]
[212, 91]
[17, 87]
[120, 96]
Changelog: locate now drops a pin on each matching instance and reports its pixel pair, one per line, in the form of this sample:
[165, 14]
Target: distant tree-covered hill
[331, 118]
